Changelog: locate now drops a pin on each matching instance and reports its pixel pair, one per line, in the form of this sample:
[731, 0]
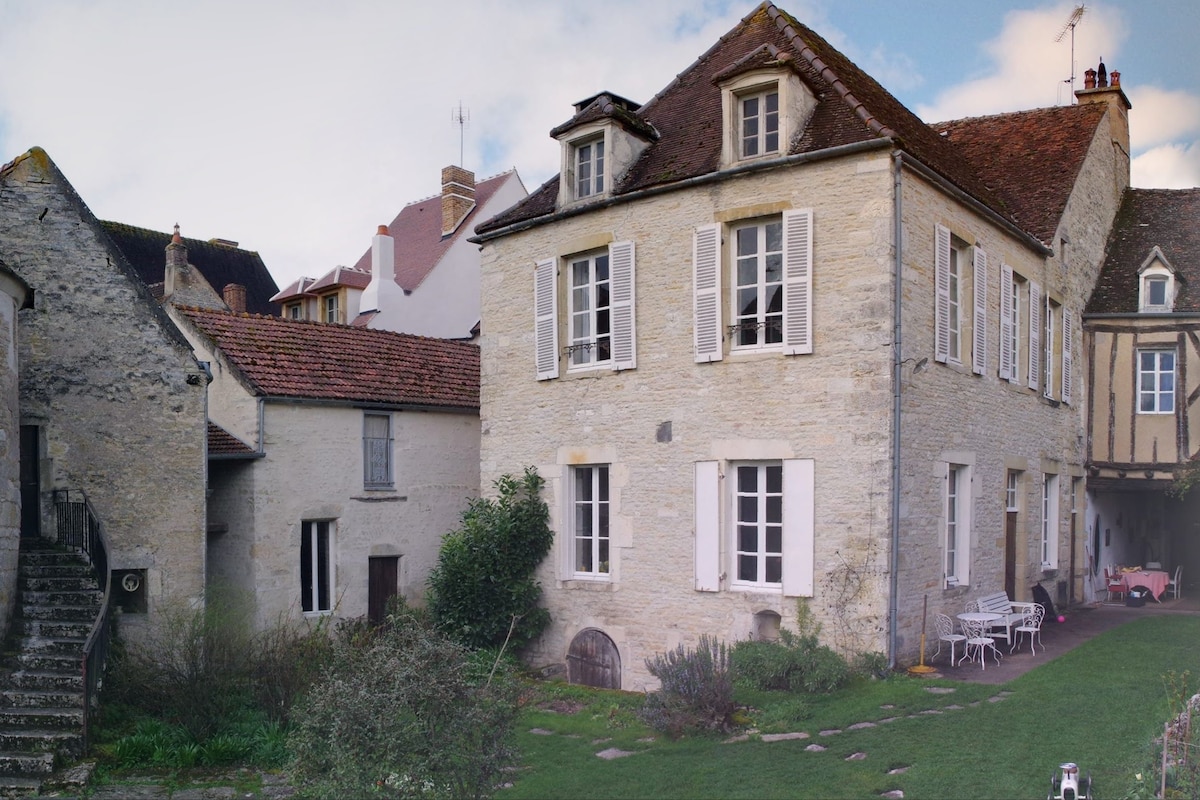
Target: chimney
[1098, 89]
[177, 264]
[235, 297]
[458, 196]
[383, 270]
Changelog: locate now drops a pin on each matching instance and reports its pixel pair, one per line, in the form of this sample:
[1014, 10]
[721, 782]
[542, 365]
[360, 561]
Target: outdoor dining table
[1154, 580]
[980, 616]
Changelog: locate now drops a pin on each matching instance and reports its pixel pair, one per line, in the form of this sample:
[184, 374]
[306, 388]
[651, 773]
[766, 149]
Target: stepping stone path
[613, 752]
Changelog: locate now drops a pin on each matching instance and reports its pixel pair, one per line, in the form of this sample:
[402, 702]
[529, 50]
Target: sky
[296, 127]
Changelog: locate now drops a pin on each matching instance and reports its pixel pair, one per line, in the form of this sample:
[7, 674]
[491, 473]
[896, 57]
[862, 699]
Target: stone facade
[14, 294]
[111, 385]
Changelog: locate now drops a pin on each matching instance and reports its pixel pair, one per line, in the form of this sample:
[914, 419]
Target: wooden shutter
[707, 500]
[1008, 368]
[706, 288]
[979, 348]
[1035, 335]
[798, 524]
[624, 344]
[1068, 336]
[941, 301]
[545, 324]
[797, 281]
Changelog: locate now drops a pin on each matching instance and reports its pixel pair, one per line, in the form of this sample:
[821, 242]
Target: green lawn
[1100, 705]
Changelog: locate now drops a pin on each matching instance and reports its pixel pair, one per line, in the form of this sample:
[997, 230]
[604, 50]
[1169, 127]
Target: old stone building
[775, 342]
[15, 294]
[110, 396]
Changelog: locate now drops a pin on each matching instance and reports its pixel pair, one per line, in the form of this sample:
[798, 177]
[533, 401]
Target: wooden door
[382, 584]
[593, 660]
[1010, 554]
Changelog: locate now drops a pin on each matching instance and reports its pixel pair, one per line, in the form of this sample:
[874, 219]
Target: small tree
[483, 586]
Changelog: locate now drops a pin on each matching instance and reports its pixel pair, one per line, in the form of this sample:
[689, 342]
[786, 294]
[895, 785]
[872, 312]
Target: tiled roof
[340, 276]
[1168, 219]
[851, 108]
[319, 361]
[417, 231]
[223, 444]
[297, 288]
[220, 264]
[1029, 158]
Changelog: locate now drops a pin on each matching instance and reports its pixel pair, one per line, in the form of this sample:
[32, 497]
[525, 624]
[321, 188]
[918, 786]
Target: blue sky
[295, 128]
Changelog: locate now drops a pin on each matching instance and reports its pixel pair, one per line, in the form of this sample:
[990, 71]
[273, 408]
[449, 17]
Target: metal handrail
[78, 527]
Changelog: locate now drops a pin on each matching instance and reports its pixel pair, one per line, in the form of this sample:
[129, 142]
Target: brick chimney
[1098, 88]
[458, 196]
[177, 264]
[235, 297]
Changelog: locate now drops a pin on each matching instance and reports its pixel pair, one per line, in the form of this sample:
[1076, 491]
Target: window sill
[597, 584]
[769, 589]
[316, 614]
[390, 497]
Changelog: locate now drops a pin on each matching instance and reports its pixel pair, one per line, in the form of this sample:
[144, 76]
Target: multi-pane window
[955, 518]
[1011, 287]
[954, 328]
[292, 311]
[1011, 498]
[589, 521]
[1049, 543]
[377, 451]
[330, 307]
[1050, 346]
[1156, 381]
[1156, 292]
[590, 310]
[759, 120]
[758, 524]
[758, 285]
[316, 566]
[589, 168]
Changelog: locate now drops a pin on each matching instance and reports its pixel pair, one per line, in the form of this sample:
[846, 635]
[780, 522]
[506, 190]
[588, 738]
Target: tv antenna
[460, 116]
[1076, 15]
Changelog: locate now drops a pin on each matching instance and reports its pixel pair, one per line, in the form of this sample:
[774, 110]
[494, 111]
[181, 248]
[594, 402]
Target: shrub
[696, 692]
[795, 662]
[482, 592]
[395, 715]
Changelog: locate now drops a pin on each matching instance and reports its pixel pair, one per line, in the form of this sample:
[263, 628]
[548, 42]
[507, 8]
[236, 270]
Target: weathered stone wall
[112, 384]
[11, 296]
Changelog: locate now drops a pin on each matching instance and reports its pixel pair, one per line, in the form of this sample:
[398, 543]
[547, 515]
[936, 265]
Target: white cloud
[1160, 115]
[1169, 166]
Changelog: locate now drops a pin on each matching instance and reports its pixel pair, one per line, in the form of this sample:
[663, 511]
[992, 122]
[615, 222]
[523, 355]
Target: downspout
[261, 421]
[897, 365]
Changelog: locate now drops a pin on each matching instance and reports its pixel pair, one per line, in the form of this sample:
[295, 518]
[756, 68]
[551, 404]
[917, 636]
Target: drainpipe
[897, 365]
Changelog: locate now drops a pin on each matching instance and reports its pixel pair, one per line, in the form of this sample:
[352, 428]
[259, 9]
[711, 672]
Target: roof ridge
[1097, 108]
[271, 318]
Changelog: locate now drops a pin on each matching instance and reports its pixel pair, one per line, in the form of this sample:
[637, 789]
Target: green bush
[795, 662]
[482, 592]
[396, 715]
[696, 692]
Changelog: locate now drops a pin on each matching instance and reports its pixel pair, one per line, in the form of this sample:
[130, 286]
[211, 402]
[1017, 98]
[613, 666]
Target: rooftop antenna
[461, 116]
[1076, 15]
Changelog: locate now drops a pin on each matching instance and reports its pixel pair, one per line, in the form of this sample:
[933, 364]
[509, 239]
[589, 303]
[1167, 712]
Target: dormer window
[760, 122]
[589, 167]
[1157, 285]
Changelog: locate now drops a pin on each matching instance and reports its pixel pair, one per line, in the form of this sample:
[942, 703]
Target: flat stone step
[56, 645]
[48, 661]
[59, 612]
[41, 583]
[55, 570]
[92, 598]
[19, 786]
[52, 629]
[39, 558]
[26, 764]
[47, 680]
[42, 718]
[36, 698]
[66, 743]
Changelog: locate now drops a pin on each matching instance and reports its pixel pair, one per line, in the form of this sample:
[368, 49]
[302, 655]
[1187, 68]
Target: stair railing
[79, 528]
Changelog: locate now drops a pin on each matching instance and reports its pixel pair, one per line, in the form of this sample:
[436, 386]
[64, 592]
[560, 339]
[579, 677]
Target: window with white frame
[292, 311]
[1051, 348]
[960, 272]
[1018, 318]
[1156, 291]
[599, 320]
[754, 526]
[589, 304]
[329, 308]
[377, 451]
[769, 274]
[1049, 539]
[316, 566]
[758, 285]
[588, 164]
[758, 117]
[957, 517]
[589, 521]
[1156, 381]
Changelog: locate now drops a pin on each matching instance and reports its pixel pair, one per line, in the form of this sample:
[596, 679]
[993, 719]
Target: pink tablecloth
[1154, 580]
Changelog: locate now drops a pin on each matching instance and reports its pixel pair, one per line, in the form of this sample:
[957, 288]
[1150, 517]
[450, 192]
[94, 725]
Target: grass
[1100, 705]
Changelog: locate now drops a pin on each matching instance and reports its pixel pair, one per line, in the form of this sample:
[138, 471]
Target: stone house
[112, 403]
[15, 295]
[1142, 338]
[777, 344]
[420, 274]
[338, 457]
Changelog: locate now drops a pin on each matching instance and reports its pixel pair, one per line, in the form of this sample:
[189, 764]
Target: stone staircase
[41, 676]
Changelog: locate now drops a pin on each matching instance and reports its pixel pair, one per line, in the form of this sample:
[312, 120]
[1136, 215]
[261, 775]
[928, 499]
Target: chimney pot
[1101, 75]
[234, 295]
[382, 230]
[1089, 79]
[1114, 79]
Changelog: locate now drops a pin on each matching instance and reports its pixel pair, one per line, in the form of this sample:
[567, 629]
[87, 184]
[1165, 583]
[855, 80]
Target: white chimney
[383, 271]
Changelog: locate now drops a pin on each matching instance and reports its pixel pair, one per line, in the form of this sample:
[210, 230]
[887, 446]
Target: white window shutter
[624, 336]
[798, 523]
[941, 300]
[979, 348]
[797, 281]
[545, 324]
[1008, 369]
[706, 288]
[1035, 335]
[1068, 343]
[1048, 350]
[707, 499]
